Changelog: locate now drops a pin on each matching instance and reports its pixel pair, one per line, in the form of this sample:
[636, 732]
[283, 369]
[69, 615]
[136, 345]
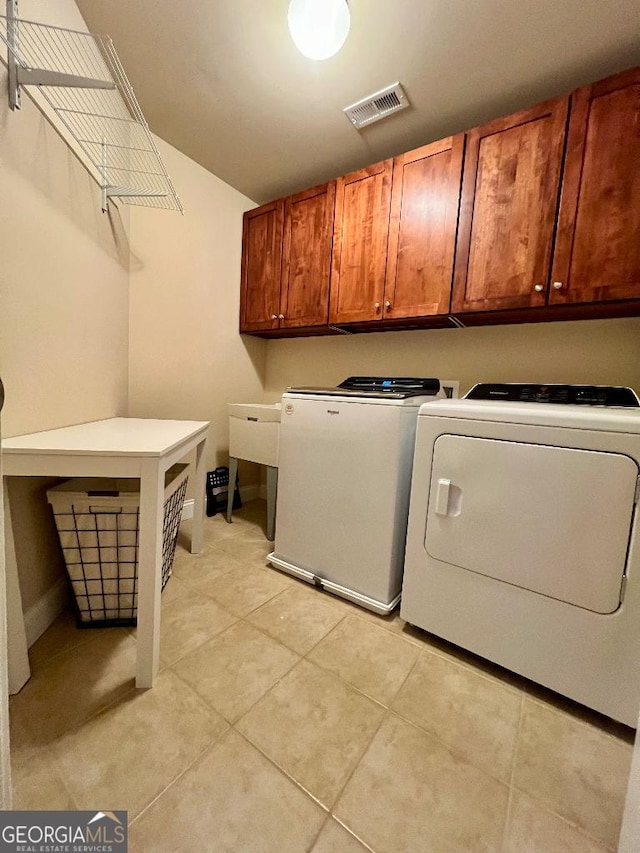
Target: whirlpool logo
[63, 832]
[333, 412]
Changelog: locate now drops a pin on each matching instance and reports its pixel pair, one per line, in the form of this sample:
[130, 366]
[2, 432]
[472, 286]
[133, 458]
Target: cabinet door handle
[557, 285]
[280, 316]
[539, 288]
[274, 316]
[377, 306]
[387, 304]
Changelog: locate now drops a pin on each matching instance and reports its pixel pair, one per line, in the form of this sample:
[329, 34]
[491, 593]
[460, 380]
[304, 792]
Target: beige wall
[63, 304]
[81, 317]
[587, 351]
[186, 358]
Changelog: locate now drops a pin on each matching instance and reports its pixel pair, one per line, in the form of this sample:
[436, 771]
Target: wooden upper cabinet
[361, 228]
[597, 254]
[508, 208]
[306, 263]
[422, 229]
[261, 267]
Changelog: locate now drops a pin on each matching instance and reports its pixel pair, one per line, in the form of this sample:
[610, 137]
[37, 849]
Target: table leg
[200, 476]
[233, 473]
[149, 571]
[272, 491]
[5, 763]
[18, 657]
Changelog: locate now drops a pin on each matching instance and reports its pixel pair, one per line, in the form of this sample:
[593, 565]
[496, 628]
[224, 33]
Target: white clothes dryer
[523, 540]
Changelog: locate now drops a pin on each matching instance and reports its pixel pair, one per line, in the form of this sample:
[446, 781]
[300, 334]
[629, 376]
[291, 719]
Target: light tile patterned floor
[287, 720]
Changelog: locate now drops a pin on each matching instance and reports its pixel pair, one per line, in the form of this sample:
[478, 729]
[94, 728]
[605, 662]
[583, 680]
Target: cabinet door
[261, 262]
[306, 261]
[361, 228]
[508, 209]
[425, 196]
[597, 254]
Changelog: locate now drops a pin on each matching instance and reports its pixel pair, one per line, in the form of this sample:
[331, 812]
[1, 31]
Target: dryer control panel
[574, 395]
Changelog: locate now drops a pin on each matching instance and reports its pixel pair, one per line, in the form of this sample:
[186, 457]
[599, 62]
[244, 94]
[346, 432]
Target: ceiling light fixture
[319, 28]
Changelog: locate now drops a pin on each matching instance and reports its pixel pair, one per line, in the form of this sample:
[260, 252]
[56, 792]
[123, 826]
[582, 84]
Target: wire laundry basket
[98, 527]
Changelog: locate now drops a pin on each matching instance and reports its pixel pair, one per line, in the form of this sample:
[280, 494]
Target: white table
[120, 447]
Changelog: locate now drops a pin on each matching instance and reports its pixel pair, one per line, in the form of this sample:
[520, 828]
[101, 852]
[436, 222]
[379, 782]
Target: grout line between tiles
[352, 833]
[200, 755]
[212, 597]
[451, 750]
[467, 665]
[594, 724]
[349, 683]
[407, 677]
[277, 639]
[192, 584]
[49, 753]
[44, 665]
[363, 752]
[579, 829]
[273, 686]
[417, 643]
[281, 769]
[91, 716]
[309, 848]
[332, 818]
[514, 758]
[315, 645]
[164, 667]
[513, 788]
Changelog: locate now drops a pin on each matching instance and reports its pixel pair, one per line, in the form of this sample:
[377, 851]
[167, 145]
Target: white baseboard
[247, 493]
[45, 611]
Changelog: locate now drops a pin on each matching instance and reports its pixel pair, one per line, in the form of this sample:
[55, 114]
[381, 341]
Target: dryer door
[553, 520]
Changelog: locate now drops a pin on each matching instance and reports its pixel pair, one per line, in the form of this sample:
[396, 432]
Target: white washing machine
[344, 475]
[523, 541]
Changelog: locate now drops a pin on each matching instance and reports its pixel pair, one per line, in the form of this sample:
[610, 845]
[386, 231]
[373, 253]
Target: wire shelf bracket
[78, 83]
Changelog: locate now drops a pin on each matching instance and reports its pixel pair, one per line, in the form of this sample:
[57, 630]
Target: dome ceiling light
[319, 28]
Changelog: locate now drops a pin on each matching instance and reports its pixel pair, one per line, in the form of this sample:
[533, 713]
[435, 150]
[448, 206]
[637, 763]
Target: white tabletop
[119, 447]
[112, 437]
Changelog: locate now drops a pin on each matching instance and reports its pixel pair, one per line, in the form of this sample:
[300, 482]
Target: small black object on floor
[218, 490]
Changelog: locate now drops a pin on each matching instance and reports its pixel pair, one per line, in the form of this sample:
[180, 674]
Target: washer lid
[389, 387]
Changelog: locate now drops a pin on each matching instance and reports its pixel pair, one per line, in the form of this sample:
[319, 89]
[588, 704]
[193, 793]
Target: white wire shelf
[78, 82]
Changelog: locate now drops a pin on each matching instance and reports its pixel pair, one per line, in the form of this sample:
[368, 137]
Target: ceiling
[223, 82]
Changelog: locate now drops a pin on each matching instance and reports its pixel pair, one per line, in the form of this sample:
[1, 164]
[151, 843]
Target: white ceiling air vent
[377, 106]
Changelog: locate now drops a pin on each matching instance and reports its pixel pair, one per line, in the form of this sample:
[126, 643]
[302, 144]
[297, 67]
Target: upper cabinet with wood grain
[286, 262]
[531, 216]
[394, 236]
[508, 208]
[261, 267]
[597, 252]
[306, 257]
[422, 231]
[360, 233]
